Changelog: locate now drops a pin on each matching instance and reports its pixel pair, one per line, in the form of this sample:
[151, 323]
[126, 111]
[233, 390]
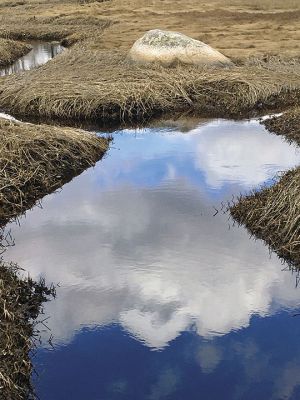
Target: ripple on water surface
[159, 298]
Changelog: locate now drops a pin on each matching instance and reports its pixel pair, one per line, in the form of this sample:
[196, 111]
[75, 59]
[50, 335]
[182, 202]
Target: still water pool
[160, 296]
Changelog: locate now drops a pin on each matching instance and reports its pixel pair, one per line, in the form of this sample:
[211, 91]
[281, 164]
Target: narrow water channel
[159, 296]
[40, 53]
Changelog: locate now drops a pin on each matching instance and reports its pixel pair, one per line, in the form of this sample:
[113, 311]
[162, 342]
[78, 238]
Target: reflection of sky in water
[41, 53]
[137, 250]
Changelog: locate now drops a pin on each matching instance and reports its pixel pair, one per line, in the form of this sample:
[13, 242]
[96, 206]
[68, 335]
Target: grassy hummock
[21, 301]
[43, 21]
[11, 50]
[287, 124]
[38, 159]
[105, 86]
[273, 214]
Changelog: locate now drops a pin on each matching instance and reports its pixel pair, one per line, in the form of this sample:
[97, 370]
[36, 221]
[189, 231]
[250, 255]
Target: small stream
[40, 53]
[160, 296]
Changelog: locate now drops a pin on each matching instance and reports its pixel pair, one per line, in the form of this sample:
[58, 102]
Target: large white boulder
[169, 48]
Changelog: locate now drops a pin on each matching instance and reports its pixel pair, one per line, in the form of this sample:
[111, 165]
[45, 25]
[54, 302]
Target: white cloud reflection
[154, 259]
[240, 152]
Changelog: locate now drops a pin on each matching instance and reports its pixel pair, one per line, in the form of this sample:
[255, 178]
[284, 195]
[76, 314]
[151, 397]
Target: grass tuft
[273, 214]
[38, 159]
[287, 124]
[10, 51]
[20, 304]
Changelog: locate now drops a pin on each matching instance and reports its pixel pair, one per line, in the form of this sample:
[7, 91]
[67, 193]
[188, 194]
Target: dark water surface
[159, 298]
[41, 53]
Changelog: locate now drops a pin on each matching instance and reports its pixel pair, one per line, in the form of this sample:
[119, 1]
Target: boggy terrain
[127, 92]
[238, 28]
[94, 80]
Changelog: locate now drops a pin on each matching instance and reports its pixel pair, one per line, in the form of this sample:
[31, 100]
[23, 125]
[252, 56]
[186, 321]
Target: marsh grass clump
[37, 159]
[11, 50]
[68, 29]
[105, 86]
[21, 302]
[287, 124]
[273, 214]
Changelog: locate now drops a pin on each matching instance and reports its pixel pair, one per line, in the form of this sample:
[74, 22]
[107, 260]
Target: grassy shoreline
[35, 160]
[11, 51]
[38, 159]
[273, 213]
[21, 302]
[125, 92]
[287, 124]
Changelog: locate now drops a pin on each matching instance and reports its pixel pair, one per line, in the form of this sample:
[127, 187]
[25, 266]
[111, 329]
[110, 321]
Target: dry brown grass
[11, 50]
[269, 5]
[104, 86]
[287, 124]
[37, 159]
[273, 214]
[41, 21]
[238, 28]
[20, 304]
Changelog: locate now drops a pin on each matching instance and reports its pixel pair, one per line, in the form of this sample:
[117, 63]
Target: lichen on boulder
[170, 48]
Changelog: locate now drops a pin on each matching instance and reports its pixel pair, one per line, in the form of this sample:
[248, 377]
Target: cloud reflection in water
[134, 241]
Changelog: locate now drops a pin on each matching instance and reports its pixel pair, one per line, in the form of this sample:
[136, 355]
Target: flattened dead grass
[37, 159]
[238, 28]
[34, 22]
[269, 5]
[104, 86]
[11, 50]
